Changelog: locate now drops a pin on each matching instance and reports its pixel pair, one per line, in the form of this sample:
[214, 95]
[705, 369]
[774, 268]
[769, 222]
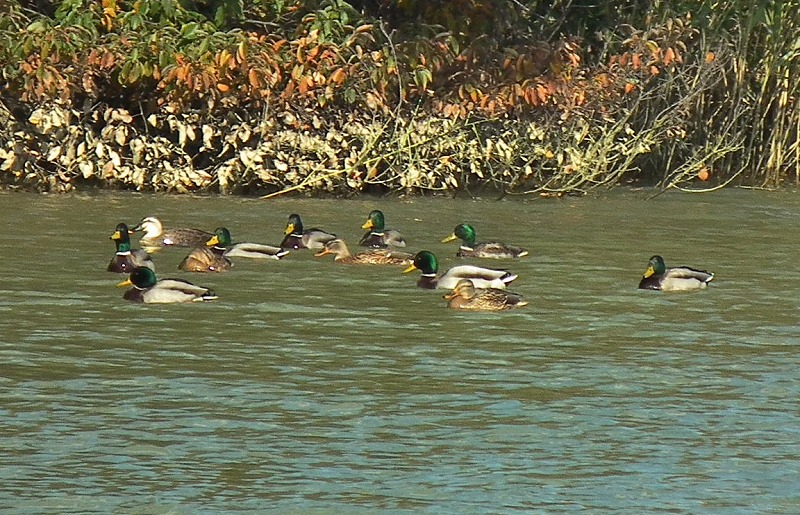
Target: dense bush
[385, 95]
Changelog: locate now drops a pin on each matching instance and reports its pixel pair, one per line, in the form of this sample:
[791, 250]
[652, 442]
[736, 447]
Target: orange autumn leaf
[654, 70]
[312, 53]
[703, 174]
[252, 76]
[629, 87]
[223, 87]
[710, 57]
[542, 92]
[302, 86]
[338, 76]
[289, 90]
[669, 56]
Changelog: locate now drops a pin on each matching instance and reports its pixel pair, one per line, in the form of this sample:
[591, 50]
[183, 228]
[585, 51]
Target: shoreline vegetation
[327, 97]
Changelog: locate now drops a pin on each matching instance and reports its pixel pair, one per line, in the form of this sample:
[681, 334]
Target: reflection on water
[312, 386]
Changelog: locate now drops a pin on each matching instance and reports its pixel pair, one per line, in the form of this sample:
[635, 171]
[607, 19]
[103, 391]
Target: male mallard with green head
[658, 277]
[126, 259]
[466, 296]
[156, 236]
[298, 238]
[379, 236]
[481, 277]
[489, 249]
[222, 239]
[148, 289]
[369, 257]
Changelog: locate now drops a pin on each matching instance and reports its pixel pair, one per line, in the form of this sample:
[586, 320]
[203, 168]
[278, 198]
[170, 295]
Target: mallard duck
[466, 296]
[481, 277]
[659, 277]
[211, 258]
[222, 240]
[155, 236]
[126, 259]
[297, 238]
[378, 236]
[489, 249]
[369, 257]
[148, 289]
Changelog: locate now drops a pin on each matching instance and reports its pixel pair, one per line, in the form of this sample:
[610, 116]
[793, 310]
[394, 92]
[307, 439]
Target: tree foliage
[687, 96]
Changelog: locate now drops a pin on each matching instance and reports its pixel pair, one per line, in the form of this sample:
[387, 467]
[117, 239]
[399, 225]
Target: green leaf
[37, 27]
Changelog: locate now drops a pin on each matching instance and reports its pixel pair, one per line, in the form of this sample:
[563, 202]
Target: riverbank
[58, 149]
[333, 100]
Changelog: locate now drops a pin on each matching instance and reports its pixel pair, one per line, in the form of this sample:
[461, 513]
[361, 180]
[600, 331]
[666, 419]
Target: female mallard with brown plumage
[489, 249]
[481, 277]
[296, 237]
[156, 236]
[126, 258]
[369, 257]
[210, 258]
[148, 289]
[682, 278]
[379, 236]
[466, 296]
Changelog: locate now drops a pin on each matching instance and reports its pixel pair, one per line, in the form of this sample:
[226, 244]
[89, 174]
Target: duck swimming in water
[658, 277]
[369, 257]
[379, 236]
[222, 240]
[426, 262]
[126, 258]
[298, 238]
[465, 296]
[149, 290]
[489, 249]
[155, 236]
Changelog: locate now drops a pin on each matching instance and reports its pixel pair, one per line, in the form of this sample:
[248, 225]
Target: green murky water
[316, 387]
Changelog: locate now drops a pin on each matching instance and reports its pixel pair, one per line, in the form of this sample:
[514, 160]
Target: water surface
[316, 387]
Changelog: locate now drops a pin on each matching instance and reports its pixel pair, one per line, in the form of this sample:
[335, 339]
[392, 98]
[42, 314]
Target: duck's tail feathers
[508, 278]
[209, 295]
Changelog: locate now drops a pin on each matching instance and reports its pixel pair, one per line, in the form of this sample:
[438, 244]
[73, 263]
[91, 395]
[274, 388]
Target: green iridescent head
[122, 238]
[375, 222]
[221, 238]
[655, 266]
[463, 232]
[295, 225]
[424, 261]
[141, 277]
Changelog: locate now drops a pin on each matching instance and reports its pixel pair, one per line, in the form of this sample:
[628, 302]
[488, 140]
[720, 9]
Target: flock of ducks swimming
[471, 287]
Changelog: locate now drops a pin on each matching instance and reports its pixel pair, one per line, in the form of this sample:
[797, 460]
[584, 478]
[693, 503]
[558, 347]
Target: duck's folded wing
[499, 248]
[480, 276]
[255, 251]
[684, 272]
[394, 238]
[177, 290]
